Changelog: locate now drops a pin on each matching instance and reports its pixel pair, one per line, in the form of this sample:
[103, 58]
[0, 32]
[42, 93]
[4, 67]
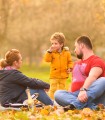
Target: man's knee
[101, 79]
[100, 82]
[57, 93]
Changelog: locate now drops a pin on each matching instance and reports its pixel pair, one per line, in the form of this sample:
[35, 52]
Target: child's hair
[59, 37]
[11, 56]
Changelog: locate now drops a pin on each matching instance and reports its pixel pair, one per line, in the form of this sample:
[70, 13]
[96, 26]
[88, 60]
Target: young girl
[61, 62]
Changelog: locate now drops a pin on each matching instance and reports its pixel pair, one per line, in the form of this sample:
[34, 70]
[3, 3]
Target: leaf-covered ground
[53, 113]
[49, 112]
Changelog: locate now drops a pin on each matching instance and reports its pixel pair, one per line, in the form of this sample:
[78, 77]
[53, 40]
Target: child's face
[56, 45]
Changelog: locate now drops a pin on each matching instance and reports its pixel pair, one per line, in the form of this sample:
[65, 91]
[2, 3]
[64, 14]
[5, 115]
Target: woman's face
[18, 63]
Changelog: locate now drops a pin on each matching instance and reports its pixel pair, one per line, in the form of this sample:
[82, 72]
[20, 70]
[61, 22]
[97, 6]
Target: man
[88, 82]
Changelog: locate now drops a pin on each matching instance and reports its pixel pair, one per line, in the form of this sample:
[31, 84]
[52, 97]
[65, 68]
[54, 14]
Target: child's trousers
[56, 84]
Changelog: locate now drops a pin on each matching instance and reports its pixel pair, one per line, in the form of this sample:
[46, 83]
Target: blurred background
[28, 24]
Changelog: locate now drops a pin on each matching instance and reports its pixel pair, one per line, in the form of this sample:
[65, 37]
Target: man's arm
[94, 73]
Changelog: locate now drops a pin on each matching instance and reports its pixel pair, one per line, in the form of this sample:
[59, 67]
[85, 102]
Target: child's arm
[48, 56]
[70, 62]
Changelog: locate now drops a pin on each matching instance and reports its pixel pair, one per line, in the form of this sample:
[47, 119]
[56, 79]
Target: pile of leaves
[53, 113]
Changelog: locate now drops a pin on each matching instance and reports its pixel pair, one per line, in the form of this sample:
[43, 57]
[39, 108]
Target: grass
[33, 71]
[41, 72]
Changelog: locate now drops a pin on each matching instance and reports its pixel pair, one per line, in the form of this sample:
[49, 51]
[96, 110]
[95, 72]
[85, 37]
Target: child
[61, 63]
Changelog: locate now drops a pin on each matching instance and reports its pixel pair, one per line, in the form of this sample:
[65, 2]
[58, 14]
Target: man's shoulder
[95, 57]
[96, 61]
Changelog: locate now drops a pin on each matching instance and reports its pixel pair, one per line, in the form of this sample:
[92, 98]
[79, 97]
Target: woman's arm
[33, 83]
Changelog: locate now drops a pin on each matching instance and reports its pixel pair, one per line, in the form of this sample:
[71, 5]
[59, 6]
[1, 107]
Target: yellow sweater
[60, 62]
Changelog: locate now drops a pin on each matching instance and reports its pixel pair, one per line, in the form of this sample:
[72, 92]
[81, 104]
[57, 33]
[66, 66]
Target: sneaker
[69, 107]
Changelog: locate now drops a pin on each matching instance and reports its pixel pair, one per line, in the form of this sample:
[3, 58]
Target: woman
[13, 83]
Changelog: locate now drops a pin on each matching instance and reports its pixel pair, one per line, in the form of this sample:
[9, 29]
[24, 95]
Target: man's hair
[59, 37]
[85, 40]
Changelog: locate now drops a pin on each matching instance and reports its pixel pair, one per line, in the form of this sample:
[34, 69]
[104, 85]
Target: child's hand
[52, 48]
[69, 70]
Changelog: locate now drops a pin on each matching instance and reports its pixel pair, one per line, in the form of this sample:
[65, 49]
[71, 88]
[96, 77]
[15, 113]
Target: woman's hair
[59, 37]
[11, 56]
[85, 40]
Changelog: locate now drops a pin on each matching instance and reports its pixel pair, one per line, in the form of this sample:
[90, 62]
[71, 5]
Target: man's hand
[82, 97]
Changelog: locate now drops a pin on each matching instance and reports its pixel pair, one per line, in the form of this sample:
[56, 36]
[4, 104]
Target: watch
[83, 89]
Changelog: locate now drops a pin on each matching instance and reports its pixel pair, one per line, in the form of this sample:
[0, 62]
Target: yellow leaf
[44, 112]
[87, 112]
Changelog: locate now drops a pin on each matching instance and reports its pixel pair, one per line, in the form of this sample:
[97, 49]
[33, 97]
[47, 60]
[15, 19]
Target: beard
[80, 56]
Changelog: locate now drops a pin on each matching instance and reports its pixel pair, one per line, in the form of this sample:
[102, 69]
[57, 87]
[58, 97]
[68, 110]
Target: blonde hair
[10, 56]
[59, 37]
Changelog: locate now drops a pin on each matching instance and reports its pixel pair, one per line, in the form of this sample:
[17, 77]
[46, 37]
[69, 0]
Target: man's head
[81, 43]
